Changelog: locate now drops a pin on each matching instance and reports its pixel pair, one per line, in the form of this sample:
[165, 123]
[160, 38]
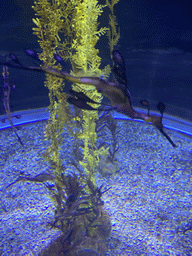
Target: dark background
[156, 42]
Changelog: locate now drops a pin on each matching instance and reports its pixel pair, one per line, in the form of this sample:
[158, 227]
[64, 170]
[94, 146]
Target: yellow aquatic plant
[70, 29]
[86, 62]
[112, 33]
[53, 21]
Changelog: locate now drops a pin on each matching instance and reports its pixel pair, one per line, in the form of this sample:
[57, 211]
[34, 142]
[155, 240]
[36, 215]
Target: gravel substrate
[149, 203]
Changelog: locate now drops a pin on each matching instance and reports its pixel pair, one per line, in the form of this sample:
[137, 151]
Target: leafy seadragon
[117, 92]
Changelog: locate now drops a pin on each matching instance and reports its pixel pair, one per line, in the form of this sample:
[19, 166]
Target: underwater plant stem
[6, 96]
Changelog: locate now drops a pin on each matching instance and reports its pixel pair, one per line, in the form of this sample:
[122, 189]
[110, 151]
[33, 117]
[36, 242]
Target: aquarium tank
[95, 128]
